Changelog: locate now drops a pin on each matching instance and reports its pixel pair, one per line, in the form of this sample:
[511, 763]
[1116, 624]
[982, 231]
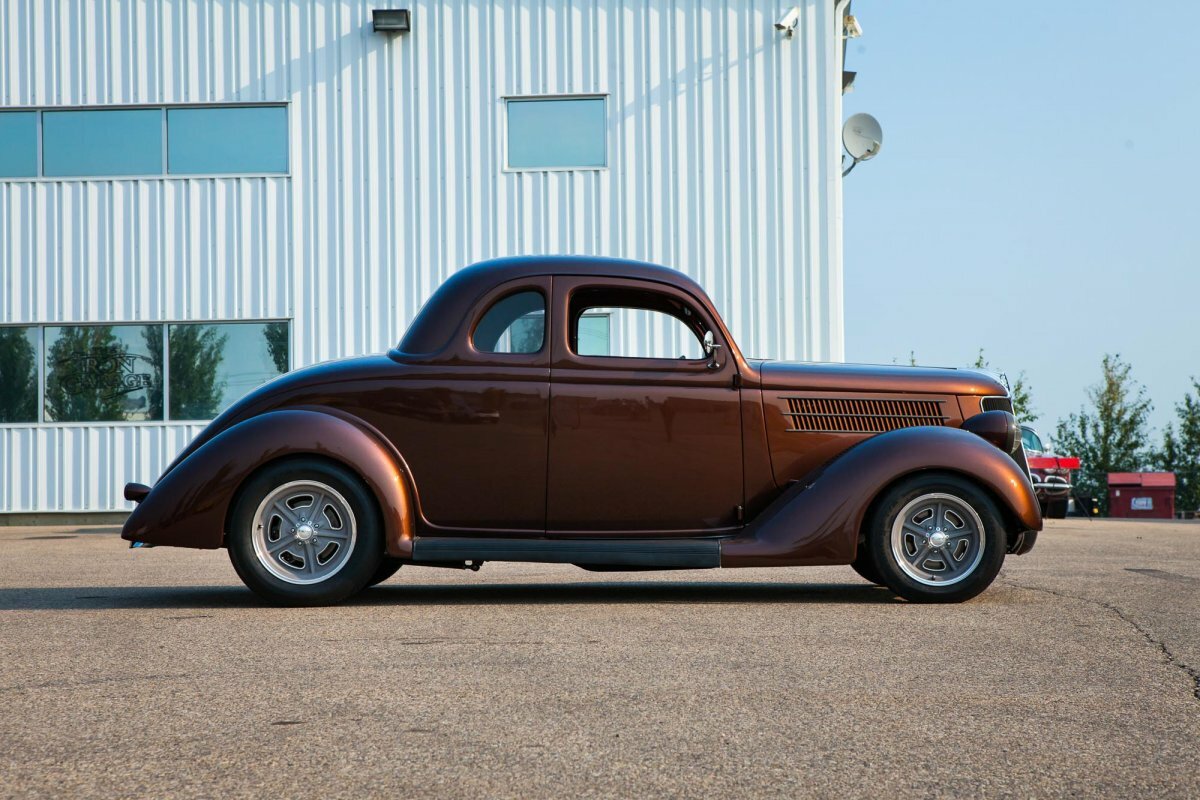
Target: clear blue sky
[1036, 194]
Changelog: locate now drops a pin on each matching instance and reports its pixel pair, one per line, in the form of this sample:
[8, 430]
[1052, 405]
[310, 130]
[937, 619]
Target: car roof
[453, 300]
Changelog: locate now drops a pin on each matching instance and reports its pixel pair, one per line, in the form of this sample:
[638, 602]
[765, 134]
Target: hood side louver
[996, 404]
[850, 415]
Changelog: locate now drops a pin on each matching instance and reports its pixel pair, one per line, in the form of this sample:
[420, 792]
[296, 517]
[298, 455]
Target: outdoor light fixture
[391, 20]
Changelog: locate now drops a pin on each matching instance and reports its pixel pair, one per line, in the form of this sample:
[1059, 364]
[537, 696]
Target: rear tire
[388, 567]
[936, 538]
[305, 532]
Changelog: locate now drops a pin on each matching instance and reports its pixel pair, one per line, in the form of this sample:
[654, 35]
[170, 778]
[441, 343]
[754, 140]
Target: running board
[666, 553]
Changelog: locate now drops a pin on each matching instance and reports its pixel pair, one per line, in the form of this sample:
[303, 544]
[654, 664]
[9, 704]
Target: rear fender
[817, 521]
[189, 506]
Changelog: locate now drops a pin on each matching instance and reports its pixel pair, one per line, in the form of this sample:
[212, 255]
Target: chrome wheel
[938, 539]
[304, 532]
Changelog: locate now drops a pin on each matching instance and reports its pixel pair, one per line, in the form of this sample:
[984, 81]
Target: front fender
[189, 506]
[818, 521]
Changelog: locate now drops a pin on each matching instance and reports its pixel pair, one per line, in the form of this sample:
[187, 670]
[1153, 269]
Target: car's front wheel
[305, 532]
[936, 538]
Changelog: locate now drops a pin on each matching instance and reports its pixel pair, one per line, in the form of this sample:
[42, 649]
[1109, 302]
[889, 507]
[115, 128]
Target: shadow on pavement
[166, 597]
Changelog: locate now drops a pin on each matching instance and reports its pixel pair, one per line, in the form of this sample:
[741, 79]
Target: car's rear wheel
[305, 532]
[388, 567]
[936, 538]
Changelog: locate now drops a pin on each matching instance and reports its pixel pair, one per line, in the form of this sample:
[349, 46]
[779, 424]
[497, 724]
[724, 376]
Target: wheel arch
[818, 520]
[1012, 522]
[236, 496]
[190, 506]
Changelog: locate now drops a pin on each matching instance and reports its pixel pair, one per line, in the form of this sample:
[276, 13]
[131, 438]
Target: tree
[18, 376]
[1022, 397]
[1111, 435]
[276, 334]
[1180, 451]
[85, 368]
[196, 354]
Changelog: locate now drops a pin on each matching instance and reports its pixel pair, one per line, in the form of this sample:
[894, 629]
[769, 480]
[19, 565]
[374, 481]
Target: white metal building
[168, 169]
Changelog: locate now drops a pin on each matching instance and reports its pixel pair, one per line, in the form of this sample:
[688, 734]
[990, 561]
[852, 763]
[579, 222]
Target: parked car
[1051, 474]
[524, 416]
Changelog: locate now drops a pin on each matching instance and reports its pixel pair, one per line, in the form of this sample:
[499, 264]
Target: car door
[471, 425]
[642, 441]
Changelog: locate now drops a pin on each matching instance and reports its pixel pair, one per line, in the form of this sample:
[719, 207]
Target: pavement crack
[1170, 658]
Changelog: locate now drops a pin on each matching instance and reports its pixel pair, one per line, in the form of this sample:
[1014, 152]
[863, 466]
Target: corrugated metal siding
[76, 467]
[723, 163]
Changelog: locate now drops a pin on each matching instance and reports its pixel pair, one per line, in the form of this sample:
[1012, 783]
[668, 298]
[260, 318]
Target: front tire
[866, 568]
[305, 532]
[936, 538]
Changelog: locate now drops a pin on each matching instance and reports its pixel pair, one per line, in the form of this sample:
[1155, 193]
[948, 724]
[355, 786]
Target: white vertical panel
[723, 154]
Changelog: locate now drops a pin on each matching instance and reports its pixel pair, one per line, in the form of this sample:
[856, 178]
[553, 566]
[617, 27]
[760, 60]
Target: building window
[211, 366]
[557, 132]
[207, 141]
[104, 373]
[135, 372]
[95, 143]
[150, 141]
[19, 374]
[18, 144]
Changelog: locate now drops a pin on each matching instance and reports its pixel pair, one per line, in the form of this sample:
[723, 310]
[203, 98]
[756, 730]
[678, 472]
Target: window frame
[564, 355]
[164, 324]
[504, 132]
[484, 307]
[41, 176]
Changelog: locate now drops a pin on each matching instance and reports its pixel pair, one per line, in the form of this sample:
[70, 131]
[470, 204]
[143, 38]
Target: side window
[1031, 440]
[514, 324]
[632, 323]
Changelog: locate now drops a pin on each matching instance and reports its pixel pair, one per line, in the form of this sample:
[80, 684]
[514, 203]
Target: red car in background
[1051, 474]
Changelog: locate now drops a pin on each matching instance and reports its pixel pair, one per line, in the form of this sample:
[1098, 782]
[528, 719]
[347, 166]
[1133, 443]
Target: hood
[799, 376]
[300, 386]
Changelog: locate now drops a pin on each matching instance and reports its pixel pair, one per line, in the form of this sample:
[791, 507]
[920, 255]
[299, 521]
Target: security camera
[852, 29]
[787, 22]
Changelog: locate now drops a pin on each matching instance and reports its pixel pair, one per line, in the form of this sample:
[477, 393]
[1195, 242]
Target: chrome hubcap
[304, 532]
[938, 539]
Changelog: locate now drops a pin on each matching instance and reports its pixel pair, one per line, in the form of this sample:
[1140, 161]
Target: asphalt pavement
[153, 673]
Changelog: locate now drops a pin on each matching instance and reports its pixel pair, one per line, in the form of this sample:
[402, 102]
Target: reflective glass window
[18, 374]
[634, 323]
[595, 337]
[556, 133]
[205, 141]
[18, 144]
[104, 373]
[515, 324]
[213, 365]
[102, 142]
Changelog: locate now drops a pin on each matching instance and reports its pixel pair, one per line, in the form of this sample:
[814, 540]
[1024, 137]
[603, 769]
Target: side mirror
[710, 349]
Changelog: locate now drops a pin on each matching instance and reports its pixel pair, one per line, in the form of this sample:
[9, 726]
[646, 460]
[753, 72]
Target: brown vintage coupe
[529, 414]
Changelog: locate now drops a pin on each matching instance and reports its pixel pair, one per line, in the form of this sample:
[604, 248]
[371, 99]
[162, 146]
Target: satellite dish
[862, 137]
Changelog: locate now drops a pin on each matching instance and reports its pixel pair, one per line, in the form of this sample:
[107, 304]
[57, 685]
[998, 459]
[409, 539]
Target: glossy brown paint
[641, 445]
[818, 520]
[795, 454]
[189, 507]
[455, 442]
